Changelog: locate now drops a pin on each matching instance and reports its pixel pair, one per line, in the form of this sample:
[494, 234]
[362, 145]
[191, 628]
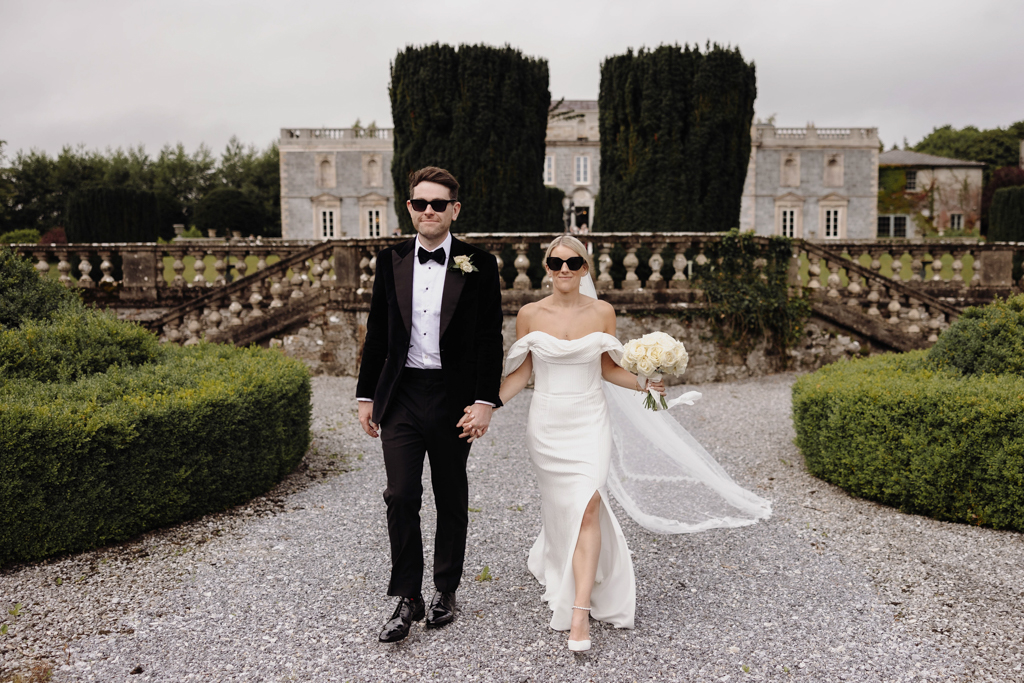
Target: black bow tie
[436, 255]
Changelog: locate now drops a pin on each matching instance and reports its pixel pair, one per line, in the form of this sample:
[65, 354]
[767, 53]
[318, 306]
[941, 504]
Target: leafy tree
[675, 138]
[481, 113]
[257, 175]
[226, 210]
[554, 219]
[184, 177]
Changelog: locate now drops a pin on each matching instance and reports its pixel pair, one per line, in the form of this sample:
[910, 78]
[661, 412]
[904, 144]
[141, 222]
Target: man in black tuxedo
[431, 363]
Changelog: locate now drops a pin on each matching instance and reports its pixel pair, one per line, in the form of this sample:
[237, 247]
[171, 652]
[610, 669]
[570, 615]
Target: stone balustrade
[897, 281]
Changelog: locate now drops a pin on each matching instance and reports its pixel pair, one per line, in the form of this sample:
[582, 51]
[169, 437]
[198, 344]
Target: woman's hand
[658, 387]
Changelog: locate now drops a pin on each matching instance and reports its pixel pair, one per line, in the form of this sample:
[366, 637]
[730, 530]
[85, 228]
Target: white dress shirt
[427, 288]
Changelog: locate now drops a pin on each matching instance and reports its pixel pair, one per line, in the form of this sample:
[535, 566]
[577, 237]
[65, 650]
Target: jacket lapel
[402, 269]
[454, 281]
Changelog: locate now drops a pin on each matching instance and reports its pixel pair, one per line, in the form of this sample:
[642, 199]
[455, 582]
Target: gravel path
[291, 587]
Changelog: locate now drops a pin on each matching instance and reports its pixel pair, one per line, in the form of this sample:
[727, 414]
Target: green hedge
[928, 441]
[101, 459]
[1006, 215]
[984, 340]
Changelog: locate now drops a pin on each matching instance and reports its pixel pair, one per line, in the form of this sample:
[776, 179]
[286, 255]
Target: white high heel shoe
[579, 645]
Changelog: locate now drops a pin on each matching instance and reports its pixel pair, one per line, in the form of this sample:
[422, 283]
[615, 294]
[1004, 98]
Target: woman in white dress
[588, 436]
[568, 339]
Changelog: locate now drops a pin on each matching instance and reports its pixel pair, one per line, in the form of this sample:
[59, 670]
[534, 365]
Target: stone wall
[331, 341]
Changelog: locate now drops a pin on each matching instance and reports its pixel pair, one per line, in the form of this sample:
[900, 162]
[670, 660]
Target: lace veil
[662, 477]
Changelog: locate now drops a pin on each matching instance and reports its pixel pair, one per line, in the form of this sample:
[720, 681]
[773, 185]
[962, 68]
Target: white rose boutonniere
[463, 264]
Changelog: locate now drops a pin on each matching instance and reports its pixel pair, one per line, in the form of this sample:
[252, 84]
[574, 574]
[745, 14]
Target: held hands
[475, 422]
[657, 387]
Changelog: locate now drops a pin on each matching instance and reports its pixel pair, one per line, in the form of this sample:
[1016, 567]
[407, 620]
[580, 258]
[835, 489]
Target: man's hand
[475, 422]
[365, 413]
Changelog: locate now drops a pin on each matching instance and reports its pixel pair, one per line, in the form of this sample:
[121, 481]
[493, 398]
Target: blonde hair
[569, 242]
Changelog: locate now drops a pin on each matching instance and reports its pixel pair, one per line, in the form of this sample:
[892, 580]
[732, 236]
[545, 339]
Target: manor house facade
[818, 183]
[337, 182]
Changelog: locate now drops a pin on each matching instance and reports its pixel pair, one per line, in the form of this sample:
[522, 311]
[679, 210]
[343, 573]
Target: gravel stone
[291, 587]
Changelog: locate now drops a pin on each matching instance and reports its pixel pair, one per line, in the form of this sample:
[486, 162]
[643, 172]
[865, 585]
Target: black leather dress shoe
[441, 610]
[407, 611]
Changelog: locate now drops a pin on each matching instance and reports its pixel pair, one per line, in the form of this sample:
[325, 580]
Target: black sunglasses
[438, 205]
[574, 263]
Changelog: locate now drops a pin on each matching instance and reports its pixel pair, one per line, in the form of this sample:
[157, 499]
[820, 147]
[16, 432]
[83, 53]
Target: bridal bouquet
[653, 355]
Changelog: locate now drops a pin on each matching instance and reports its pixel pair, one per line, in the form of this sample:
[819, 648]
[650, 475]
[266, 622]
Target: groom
[433, 351]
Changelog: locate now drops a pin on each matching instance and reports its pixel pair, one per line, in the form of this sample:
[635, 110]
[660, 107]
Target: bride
[660, 475]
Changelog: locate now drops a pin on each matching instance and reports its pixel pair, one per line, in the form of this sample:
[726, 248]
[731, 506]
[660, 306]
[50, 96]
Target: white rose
[669, 358]
[655, 354]
[645, 367]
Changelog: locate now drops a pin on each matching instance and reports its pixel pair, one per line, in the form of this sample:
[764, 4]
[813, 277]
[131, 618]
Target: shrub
[23, 236]
[105, 214]
[893, 429]
[26, 296]
[96, 461]
[1006, 215]
[75, 343]
[54, 236]
[226, 210]
[987, 339]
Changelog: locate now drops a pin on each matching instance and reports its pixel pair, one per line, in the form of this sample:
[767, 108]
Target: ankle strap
[583, 608]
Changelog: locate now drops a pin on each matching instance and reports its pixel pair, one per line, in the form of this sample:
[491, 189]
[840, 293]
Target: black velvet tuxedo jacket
[470, 339]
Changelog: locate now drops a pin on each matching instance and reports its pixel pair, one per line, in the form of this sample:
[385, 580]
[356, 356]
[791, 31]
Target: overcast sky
[113, 73]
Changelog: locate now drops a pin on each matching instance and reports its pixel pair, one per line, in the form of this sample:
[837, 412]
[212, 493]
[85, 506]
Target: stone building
[336, 182]
[939, 193]
[814, 183]
[572, 158]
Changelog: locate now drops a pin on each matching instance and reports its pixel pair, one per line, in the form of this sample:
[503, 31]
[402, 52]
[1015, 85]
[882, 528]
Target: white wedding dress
[569, 437]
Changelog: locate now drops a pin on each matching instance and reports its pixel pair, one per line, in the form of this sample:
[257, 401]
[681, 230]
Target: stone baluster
[261, 263]
[365, 274]
[813, 272]
[897, 267]
[833, 280]
[213, 319]
[679, 280]
[194, 327]
[173, 333]
[220, 264]
[958, 266]
[326, 279]
[936, 325]
[522, 263]
[240, 265]
[42, 266]
[64, 268]
[179, 271]
[255, 299]
[631, 262]
[874, 296]
[316, 273]
[277, 292]
[299, 280]
[937, 268]
[200, 269]
[876, 261]
[854, 288]
[234, 311]
[84, 267]
[106, 267]
[604, 264]
[373, 271]
[976, 266]
[656, 262]
[914, 316]
[496, 253]
[894, 307]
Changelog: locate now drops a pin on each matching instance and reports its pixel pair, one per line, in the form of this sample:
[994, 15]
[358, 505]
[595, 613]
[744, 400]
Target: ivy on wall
[675, 138]
[481, 113]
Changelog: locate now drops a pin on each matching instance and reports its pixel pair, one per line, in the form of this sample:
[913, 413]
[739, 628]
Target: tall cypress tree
[481, 113]
[675, 138]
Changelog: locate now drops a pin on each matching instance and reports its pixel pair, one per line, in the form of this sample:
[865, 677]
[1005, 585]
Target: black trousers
[417, 422]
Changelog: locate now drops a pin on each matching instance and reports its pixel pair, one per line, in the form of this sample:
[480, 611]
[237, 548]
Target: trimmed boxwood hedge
[104, 433]
[916, 433]
[98, 460]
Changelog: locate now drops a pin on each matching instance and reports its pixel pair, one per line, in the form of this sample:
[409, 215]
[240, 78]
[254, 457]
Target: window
[788, 222]
[832, 223]
[582, 170]
[956, 221]
[549, 170]
[373, 222]
[911, 181]
[892, 226]
[327, 224]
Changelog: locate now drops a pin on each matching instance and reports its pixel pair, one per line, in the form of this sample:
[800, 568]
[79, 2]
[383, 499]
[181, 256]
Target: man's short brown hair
[433, 174]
